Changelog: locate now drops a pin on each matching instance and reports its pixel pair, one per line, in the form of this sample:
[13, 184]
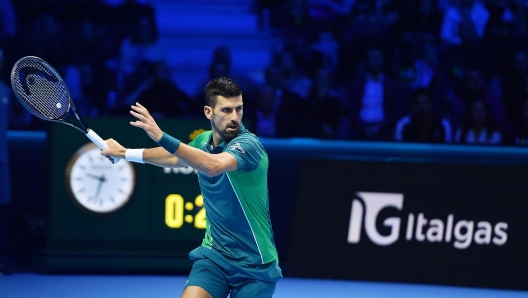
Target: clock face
[95, 183]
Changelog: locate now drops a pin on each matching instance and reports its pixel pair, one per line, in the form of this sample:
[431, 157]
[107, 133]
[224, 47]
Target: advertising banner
[461, 224]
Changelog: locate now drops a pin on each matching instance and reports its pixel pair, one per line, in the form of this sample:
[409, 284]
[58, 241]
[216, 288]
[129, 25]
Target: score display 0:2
[176, 207]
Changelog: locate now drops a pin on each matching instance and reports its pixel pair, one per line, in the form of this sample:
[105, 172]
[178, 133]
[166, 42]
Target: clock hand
[102, 179]
[95, 177]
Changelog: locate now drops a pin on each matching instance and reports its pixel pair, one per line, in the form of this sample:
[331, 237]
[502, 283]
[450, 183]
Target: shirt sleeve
[247, 152]
[192, 143]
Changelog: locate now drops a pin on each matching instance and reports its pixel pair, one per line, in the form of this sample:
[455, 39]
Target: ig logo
[374, 202]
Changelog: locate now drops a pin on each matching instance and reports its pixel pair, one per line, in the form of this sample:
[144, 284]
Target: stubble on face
[225, 132]
[222, 127]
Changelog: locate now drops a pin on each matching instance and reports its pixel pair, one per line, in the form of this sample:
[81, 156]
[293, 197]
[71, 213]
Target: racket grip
[99, 142]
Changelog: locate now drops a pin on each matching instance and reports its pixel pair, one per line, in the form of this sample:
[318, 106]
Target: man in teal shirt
[238, 254]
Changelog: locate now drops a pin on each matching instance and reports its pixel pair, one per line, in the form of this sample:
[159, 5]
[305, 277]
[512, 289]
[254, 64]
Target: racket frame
[83, 127]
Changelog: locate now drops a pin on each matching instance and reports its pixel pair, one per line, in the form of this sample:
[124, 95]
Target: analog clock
[96, 184]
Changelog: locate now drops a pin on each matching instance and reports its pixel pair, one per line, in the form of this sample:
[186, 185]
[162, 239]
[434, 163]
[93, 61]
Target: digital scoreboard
[125, 216]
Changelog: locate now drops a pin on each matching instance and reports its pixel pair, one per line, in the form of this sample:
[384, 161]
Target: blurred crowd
[433, 71]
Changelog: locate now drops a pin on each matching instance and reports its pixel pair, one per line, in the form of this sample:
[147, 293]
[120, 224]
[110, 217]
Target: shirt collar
[222, 145]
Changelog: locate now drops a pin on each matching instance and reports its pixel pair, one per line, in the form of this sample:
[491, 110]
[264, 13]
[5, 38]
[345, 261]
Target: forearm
[154, 156]
[209, 164]
[161, 158]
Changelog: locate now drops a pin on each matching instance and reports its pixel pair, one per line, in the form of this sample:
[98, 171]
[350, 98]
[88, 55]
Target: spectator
[463, 32]
[329, 15]
[506, 31]
[142, 45]
[375, 100]
[87, 75]
[47, 40]
[465, 20]
[428, 72]
[221, 66]
[372, 23]
[296, 81]
[477, 87]
[422, 125]
[326, 118]
[291, 21]
[479, 126]
[264, 117]
[158, 92]
[326, 49]
[286, 104]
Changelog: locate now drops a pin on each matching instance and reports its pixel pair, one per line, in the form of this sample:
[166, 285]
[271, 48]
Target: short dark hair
[220, 86]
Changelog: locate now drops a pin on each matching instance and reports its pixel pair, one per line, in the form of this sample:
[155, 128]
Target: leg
[206, 280]
[254, 288]
[195, 292]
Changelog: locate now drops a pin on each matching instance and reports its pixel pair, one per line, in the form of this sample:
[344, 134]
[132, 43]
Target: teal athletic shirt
[238, 223]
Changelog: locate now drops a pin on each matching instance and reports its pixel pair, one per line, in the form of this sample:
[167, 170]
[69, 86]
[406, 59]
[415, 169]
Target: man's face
[225, 116]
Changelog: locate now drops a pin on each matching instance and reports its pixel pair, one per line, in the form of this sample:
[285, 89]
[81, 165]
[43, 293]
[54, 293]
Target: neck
[217, 138]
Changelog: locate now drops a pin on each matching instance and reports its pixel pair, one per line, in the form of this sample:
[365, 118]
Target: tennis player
[238, 254]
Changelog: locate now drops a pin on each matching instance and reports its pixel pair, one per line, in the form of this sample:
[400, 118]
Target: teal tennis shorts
[221, 277]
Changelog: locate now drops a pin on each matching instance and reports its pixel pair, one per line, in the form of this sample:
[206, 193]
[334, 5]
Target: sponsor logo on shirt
[237, 147]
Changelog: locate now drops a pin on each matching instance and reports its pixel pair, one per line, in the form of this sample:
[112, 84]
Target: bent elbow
[213, 169]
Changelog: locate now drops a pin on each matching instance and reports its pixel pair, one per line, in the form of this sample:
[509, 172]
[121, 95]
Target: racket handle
[99, 142]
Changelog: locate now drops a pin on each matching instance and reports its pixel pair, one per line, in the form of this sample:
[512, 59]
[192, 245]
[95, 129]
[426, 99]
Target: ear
[208, 111]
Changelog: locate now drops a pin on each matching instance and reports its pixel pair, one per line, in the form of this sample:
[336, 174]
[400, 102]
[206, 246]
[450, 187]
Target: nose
[234, 116]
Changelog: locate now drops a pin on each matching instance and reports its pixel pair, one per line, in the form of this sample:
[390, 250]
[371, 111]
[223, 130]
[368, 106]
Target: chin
[230, 135]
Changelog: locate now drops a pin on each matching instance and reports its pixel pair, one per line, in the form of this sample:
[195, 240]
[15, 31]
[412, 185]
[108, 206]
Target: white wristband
[134, 155]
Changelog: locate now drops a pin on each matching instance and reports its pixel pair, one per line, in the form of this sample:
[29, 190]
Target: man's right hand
[114, 149]
[146, 122]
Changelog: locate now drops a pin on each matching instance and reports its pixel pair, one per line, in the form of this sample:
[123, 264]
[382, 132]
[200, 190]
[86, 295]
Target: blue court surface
[22, 285]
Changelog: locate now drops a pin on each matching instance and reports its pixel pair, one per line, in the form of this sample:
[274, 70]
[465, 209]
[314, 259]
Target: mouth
[232, 127]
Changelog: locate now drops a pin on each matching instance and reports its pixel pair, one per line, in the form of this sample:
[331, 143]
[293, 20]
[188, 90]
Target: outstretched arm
[155, 156]
[209, 164]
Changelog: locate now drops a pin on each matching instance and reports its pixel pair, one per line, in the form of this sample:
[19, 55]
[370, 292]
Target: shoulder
[201, 139]
[246, 139]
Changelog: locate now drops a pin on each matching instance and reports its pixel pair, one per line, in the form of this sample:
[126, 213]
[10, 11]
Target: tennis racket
[43, 92]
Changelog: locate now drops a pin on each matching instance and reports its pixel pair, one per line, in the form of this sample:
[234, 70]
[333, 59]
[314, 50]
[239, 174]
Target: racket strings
[40, 89]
